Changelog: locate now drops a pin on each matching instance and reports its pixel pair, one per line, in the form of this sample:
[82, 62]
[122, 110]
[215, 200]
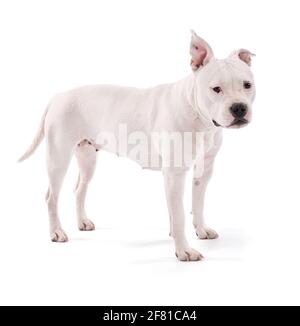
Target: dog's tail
[37, 139]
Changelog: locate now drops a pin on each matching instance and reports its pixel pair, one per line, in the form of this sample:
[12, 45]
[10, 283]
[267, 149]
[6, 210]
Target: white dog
[219, 93]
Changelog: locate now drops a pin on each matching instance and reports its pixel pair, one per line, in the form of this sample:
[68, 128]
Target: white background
[252, 201]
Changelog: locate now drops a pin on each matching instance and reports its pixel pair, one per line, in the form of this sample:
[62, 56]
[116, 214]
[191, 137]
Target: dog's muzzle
[238, 111]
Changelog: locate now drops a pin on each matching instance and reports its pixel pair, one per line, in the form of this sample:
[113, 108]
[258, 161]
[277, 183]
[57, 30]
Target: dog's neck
[187, 89]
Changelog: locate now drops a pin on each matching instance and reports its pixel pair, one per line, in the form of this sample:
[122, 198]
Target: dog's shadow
[153, 243]
[231, 239]
[228, 247]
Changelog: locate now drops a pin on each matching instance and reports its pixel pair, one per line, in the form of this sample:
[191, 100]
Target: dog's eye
[247, 85]
[217, 89]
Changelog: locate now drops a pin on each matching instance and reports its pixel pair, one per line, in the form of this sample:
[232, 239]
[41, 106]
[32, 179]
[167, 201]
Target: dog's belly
[149, 154]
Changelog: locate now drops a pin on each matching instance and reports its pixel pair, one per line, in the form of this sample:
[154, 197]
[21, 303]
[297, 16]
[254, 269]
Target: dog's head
[225, 88]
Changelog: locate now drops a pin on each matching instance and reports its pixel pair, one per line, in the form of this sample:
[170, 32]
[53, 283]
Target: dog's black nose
[238, 110]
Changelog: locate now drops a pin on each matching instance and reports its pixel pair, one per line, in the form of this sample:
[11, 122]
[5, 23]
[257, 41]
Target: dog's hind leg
[58, 159]
[86, 155]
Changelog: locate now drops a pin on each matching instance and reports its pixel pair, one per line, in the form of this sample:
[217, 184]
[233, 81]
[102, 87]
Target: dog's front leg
[174, 186]
[200, 182]
[199, 189]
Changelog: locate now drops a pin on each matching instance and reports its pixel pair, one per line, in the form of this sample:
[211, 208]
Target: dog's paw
[188, 254]
[86, 225]
[206, 233]
[59, 235]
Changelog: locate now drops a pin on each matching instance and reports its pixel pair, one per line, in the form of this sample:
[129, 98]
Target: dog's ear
[244, 55]
[200, 51]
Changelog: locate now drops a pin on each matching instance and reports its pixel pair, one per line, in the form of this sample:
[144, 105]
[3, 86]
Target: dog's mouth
[238, 122]
[216, 123]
